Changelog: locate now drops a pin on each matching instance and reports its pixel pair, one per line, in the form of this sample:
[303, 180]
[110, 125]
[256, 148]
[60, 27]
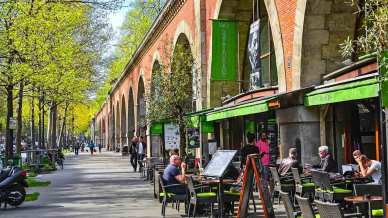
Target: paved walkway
[99, 186]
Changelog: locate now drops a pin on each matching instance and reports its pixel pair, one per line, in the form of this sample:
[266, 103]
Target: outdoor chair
[327, 191]
[371, 190]
[330, 210]
[285, 185]
[197, 197]
[291, 213]
[169, 197]
[306, 208]
[302, 186]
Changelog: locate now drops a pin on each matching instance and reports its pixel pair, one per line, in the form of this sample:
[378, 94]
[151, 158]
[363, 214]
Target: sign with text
[171, 136]
[219, 162]
[254, 55]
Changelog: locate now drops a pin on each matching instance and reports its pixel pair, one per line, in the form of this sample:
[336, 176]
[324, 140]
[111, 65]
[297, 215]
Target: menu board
[219, 162]
[171, 136]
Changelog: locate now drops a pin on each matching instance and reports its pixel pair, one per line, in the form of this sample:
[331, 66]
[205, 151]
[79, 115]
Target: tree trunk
[61, 132]
[9, 131]
[41, 142]
[52, 126]
[32, 122]
[19, 118]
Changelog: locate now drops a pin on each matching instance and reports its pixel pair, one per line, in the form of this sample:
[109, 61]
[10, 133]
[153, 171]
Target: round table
[364, 199]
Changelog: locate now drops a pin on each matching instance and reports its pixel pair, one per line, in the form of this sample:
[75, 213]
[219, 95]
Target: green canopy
[360, 89]
[240, 110]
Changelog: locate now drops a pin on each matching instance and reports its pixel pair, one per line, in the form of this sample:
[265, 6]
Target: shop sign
[224, 50]
[254, 55]
[171, 136]
[193, 137]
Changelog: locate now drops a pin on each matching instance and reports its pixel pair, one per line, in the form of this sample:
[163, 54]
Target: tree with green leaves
[172, 91]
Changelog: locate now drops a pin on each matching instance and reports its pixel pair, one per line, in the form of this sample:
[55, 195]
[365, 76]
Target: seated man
[327, 164]
[370, 168]
[172, 175]
[289, 162]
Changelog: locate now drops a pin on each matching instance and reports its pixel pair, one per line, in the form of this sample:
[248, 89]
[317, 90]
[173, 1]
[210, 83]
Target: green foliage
[32, 182]
[372, 36]
[32, 197]
[173, 89]
[32, 174]
[138, 21]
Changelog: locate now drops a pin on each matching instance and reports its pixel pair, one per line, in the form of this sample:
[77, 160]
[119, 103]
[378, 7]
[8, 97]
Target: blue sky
[116, 18]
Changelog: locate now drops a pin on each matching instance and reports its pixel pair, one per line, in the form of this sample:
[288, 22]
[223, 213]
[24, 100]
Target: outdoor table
[220, 183]
[364, 199]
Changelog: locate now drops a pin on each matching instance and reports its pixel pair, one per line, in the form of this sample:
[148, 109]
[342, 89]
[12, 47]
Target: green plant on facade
[172, 90]
[372, 35]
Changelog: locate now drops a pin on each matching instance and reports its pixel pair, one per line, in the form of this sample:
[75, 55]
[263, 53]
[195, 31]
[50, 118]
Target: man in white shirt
[141, 148]
[370, 168]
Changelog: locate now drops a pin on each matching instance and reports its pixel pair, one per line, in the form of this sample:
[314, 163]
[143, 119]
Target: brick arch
[276, 35]
[123, 121]
[155, 57]
[183, 28]
[140, 108]
[131, 118]
[320, 26]
[117, 122]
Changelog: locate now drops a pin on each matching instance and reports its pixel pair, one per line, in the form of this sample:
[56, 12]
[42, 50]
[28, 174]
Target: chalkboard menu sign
[219, 162]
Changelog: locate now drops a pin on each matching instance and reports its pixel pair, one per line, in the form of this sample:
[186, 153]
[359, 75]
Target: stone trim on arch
[298, 44]
[184, 28]
[155, 57]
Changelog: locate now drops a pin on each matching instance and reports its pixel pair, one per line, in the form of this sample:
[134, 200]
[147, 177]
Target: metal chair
[330, 210]
[291, 213]
[306, 208]
[285, 185]
[169, 197]
[302, 187]
[199, 197]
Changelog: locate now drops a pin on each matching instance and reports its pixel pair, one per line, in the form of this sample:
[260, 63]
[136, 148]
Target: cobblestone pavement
[102, 185]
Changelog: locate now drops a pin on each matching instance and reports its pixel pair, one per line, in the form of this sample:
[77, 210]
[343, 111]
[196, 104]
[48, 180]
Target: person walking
[76, 148]
[133, 153]
[141, 149]
[99, 148]
[91, 147]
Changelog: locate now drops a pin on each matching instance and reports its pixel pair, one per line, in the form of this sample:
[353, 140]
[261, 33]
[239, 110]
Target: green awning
[367, 88]
[157, 128]
[240, 110]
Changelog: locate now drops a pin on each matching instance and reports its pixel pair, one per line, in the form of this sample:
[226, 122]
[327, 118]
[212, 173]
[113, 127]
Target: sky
[116, 18]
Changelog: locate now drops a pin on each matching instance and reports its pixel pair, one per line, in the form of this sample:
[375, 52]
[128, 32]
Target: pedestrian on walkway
[76, 148]
[99, 148]
[91, 147]
[133, 153]
[141, 150]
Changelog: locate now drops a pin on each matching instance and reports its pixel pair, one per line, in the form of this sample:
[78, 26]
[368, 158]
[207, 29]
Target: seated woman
[370, 168]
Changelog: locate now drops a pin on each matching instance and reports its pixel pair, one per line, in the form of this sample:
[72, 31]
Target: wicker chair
[291, 213]
[330, 210]
[302, 187]
[306, 208]
[281, 185]
[326, 190]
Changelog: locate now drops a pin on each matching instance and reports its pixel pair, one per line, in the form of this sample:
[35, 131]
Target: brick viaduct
[305, 34]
